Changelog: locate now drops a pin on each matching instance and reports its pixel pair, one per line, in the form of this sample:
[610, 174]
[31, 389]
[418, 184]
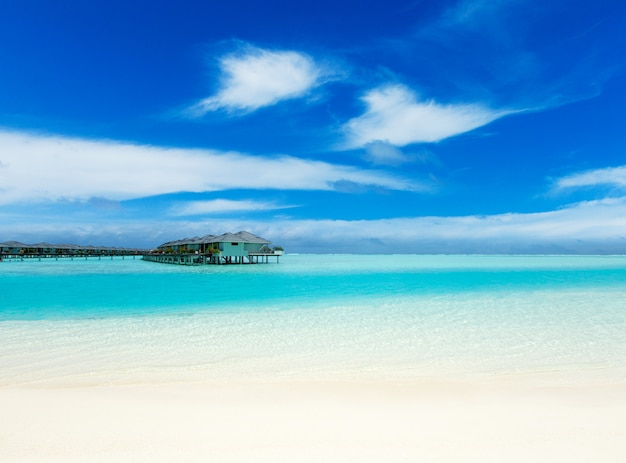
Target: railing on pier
[211, 258]
[260, 256]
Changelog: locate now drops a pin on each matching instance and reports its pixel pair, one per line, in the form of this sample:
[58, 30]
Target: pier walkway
[32, 256]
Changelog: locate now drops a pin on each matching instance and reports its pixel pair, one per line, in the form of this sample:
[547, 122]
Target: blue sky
[344, 126]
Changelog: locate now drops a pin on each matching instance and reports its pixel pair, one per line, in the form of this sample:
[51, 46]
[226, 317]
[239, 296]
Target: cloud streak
[609, 176]
[224, 206]
[395, 115]
[252, 78]
[39, 168]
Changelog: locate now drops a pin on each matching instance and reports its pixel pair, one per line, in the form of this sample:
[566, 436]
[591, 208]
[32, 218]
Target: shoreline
[511, 419]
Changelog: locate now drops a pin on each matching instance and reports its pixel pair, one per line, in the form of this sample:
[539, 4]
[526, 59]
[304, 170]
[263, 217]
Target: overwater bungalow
[229, 248]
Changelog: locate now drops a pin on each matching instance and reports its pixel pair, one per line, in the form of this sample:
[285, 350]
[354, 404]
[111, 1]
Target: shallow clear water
[313, 316]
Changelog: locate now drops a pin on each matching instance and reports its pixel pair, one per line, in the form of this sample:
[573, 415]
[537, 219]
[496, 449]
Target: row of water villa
[229, 248]
[12, 250]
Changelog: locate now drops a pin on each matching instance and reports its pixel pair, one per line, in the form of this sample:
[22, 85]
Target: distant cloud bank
[593, 227]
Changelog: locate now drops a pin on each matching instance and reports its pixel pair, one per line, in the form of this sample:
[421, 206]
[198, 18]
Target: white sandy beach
[514, 420]
[476, 374]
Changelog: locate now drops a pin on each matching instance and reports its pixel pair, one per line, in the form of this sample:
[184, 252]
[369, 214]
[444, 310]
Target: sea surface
[127, 320]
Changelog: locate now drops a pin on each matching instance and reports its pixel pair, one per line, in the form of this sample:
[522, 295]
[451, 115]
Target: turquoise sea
[313, 316]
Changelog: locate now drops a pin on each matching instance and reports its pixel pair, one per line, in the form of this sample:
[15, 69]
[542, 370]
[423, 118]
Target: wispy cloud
[252, 77]
[51, 168]
[384, 153]
[488, 50]
[395, 115]
[478, 13]
[606, 177]
[224, 206]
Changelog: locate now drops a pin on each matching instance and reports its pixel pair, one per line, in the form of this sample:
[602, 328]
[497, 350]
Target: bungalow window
[234, 244]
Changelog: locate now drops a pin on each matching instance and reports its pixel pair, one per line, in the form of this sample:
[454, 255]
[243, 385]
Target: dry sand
[315, 421]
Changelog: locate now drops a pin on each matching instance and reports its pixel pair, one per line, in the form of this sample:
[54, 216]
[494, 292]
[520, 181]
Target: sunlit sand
[517, 420]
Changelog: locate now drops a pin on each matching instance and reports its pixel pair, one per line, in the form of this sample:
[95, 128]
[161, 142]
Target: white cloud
[610, 176]
[217, 206]
[253, 77]
[48, 168]
[394, 115]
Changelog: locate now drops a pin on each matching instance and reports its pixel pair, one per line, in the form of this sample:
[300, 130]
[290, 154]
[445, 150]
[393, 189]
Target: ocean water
[313, 316]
